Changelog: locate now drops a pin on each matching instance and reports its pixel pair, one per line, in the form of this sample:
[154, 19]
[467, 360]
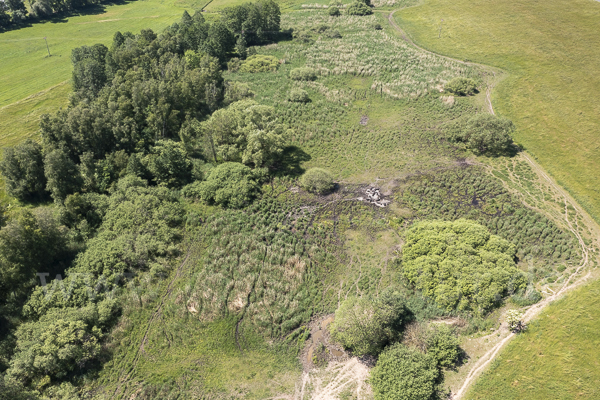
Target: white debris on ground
[374, 196]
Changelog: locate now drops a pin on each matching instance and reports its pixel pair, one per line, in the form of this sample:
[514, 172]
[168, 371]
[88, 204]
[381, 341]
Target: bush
[298, 96]
[365, 325]
[482, 133]
[461, 86]
[303, 74]
[359, 8]
[230, 184]
[460, 264]
[526, 297]
[317, 180]
[403, 373]
[234, 64]
[333, 11]
[260, 63]
[443, 345]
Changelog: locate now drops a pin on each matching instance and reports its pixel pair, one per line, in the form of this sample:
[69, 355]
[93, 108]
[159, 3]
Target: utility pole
[440, 34]
[47, 47]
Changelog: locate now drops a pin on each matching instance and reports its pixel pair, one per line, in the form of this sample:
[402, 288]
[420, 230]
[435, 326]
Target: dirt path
[571, 223]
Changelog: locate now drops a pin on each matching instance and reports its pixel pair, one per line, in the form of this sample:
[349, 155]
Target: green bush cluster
[359, 8]
[317, 180]
[443, 345]
[260, 63]
[482, 133]
[303, 74]
[460, 264]
[461, 86]
[404, 373]
[298, 96]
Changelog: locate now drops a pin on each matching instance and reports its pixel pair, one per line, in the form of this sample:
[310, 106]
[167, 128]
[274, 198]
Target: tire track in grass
[156, 315]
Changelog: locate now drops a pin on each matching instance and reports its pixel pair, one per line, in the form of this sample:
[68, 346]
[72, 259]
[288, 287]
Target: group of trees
[136, 111]
[14, 12]
[374, 326]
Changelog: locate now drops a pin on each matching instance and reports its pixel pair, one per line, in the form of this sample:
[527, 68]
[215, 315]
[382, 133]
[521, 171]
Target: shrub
[482, 133]
[460, 264]
[403, 373]
[513, 319]
[443, 345]
[333, 11]
[461, 86]
[526, 297]
[298, 96]
[234, 64]
[236, 91]
[230, 184]
[359, 8]
[303, 74]
[317, 180]
[260, 63]
[365, 325]
[169, 164]
[333, 34]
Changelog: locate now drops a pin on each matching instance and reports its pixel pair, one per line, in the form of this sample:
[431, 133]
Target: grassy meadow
[551, 50]
[557, 358]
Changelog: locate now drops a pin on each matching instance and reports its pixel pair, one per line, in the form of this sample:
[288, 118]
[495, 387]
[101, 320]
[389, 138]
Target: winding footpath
[571, 282]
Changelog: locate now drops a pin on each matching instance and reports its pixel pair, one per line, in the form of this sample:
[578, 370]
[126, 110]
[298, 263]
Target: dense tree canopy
[460, 264]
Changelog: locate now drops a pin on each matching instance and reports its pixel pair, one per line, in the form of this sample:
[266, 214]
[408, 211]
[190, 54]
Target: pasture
[551, 50]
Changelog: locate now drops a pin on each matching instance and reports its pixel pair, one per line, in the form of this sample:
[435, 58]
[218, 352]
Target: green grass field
[551, 50]
[557, 358]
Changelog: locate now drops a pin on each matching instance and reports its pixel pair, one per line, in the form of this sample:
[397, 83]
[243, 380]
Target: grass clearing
[551, 50]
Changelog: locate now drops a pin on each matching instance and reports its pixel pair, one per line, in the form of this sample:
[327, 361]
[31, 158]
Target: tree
[61, 342]
[168, 163]
[486, 133]
[18, 10]
[443, 345]
[359, 8]
[31, 242]
[365, 325]
[244, 132]
[220, 41]
[22, 167]
[461, 86]
[4, 15]
[89, 70]
[317, 180]
[230, 185]
[460, 265]
[404, 373]
[333, 11]
[62, 175]
[514, 320]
